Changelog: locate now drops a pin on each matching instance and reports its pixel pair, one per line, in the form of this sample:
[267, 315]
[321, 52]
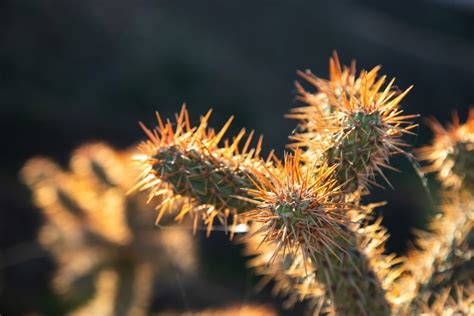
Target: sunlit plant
[307, 228]
[301, 218]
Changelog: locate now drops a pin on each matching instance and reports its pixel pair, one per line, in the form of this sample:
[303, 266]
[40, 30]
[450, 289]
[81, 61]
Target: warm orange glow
[100, 237]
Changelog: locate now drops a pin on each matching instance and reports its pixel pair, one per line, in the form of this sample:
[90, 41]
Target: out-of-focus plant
[247, 310]
[308, 230]
[104, 241]
[441, 268]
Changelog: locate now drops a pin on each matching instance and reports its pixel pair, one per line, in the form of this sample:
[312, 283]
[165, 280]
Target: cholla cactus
[444, 255]
[298, 209]
[100, 237]
[452, 153]
[188, 162]
[352, 122]
[307, 227]
[317, 241]
[456, 300]
[355, 125]
[293, 274]
[353, 280]
[302, 213]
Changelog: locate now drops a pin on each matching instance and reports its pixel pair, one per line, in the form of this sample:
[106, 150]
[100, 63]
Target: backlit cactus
[316, 240]
[306, 227]
[309, 231]
[103, 241]
[457, 300]
[444, 257]
[451, 155]
[298, 209]
[300, 213]
[188, 161]
[352, 122]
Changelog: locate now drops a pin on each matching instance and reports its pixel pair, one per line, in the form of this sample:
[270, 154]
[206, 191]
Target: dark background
[81, 70]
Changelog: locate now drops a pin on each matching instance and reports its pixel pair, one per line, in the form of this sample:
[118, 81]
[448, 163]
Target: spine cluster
[209, 180]
[352, 122]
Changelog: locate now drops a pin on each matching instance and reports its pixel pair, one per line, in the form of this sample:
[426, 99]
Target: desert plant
[442, 263]
[308, 229]
[306, 226]
[104, 241]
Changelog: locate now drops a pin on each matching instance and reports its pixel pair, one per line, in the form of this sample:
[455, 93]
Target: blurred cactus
[248, 310]
[103, 240]
[452, 153]
[242, 310]
[298, 209]
[443, 256]
[442, 264]
[456, 300]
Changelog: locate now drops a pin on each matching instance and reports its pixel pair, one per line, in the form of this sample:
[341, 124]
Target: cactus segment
[297, 208]
[352, 122]
[442, 253]
[189, 162]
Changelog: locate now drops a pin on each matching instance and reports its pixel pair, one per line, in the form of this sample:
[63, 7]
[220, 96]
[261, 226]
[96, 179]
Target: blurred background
[82, 70]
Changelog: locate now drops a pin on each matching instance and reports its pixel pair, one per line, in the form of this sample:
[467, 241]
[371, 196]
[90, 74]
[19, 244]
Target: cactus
[302, 213]
[443, 260]
[298, 209]
[307, 228]
[309, 231]
[451, 153]
[103, 241]
[352, 123]
[189, 162]
[456, 300]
